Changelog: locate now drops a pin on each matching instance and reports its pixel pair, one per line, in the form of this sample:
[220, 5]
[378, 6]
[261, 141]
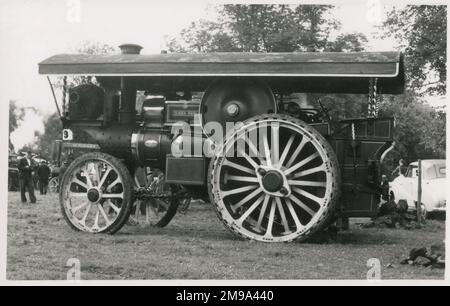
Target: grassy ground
[196, 246]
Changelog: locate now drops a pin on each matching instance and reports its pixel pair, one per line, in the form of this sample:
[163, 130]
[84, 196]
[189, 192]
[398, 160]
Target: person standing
[43, 173]
[401, 168]
[26, 178]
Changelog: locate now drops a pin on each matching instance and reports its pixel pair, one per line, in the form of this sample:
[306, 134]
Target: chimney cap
[130, 49]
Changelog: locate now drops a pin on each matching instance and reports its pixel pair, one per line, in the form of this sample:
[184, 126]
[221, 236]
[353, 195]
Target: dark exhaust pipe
[127, 113]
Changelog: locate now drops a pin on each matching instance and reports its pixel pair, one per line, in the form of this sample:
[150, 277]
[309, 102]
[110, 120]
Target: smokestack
[130, 49]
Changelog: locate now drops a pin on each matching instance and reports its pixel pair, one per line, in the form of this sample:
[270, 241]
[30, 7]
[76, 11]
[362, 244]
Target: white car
[405, 187]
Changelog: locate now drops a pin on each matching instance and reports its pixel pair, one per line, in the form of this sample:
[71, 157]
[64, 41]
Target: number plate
[67, 134]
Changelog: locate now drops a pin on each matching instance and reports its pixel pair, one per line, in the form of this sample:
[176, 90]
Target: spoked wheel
[155, 200]
[276, 180]
[96, 194]
[53, 185]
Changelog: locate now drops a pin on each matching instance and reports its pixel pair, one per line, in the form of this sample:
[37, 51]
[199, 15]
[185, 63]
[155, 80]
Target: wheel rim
[151, 210]
[53, 184]
[93, 196]
[284, 206]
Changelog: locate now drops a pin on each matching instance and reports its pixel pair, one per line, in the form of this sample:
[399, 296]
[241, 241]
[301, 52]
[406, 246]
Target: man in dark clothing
[43, 173]
[26, 178]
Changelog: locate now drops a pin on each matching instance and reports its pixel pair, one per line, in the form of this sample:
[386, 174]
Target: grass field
[197, 246]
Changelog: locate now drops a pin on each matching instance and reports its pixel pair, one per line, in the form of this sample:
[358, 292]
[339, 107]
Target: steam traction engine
[155, 130]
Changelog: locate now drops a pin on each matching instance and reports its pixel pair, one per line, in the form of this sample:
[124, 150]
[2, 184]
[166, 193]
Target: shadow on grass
[355, 237]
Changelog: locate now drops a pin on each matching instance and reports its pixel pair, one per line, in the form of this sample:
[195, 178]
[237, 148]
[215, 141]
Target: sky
[32, 30]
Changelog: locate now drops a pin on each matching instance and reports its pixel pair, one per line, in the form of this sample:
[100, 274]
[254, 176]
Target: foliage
[90, 48]
[266, 28]
[348, 42]
[52, 131]
[422, 32]
[420, 129]
[16, 113]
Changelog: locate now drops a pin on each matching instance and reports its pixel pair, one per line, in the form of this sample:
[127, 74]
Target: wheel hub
[232, 109]
[272, 181]
[93, 195]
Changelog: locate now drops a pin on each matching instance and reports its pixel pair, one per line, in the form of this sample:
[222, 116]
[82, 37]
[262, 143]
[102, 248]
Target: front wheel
[276, 179]
[96, 194]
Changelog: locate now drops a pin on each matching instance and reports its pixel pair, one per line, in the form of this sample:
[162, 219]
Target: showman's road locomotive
[150, 132]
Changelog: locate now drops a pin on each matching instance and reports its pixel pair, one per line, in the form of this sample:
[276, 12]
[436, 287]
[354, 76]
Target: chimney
[130, 49]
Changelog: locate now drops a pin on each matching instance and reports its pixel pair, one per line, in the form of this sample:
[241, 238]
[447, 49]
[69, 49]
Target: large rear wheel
[96, 194]
[276, 180]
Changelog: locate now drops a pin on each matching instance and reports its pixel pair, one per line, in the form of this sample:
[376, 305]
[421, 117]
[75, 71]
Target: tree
[266, 28]
[52, 131]
[16, 114]
[422, 32]
[349, 42]
[420, 129]
[86, 47]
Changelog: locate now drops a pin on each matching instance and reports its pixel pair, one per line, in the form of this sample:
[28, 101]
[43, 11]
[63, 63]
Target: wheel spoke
[263, 211]
[105, 175]
[116, 181]
[102, 210]
[95, 227]
[249, 159]
[309, 171]
[307, 183]
[286, 150]
[282, 214]
[78, 182]
[86, 213]
[238, 190]
[97, 173]
[136, 182]
[153, 209]
[138, 210]
[88, 177]
[253, 148]
[309, 195]
[75, 209]
[275, 149]
[239, 178]
[77, 194]
[296, 152]
[267, 149]
[247, 198]
[271, 220]
[302, 205]
[112, 195]
[298, 224]
[114, 207]
[238, 167]
[250, 210]
[301, 163]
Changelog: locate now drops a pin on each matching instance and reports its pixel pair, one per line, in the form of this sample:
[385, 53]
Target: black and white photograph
[203, 141]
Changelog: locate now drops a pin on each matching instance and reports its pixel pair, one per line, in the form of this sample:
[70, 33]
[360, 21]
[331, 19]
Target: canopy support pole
[54, 97]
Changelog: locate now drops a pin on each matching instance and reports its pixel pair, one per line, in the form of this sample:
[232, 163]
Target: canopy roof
[383, 65]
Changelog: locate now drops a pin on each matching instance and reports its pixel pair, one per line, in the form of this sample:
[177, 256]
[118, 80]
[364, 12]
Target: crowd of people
[27, 170]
